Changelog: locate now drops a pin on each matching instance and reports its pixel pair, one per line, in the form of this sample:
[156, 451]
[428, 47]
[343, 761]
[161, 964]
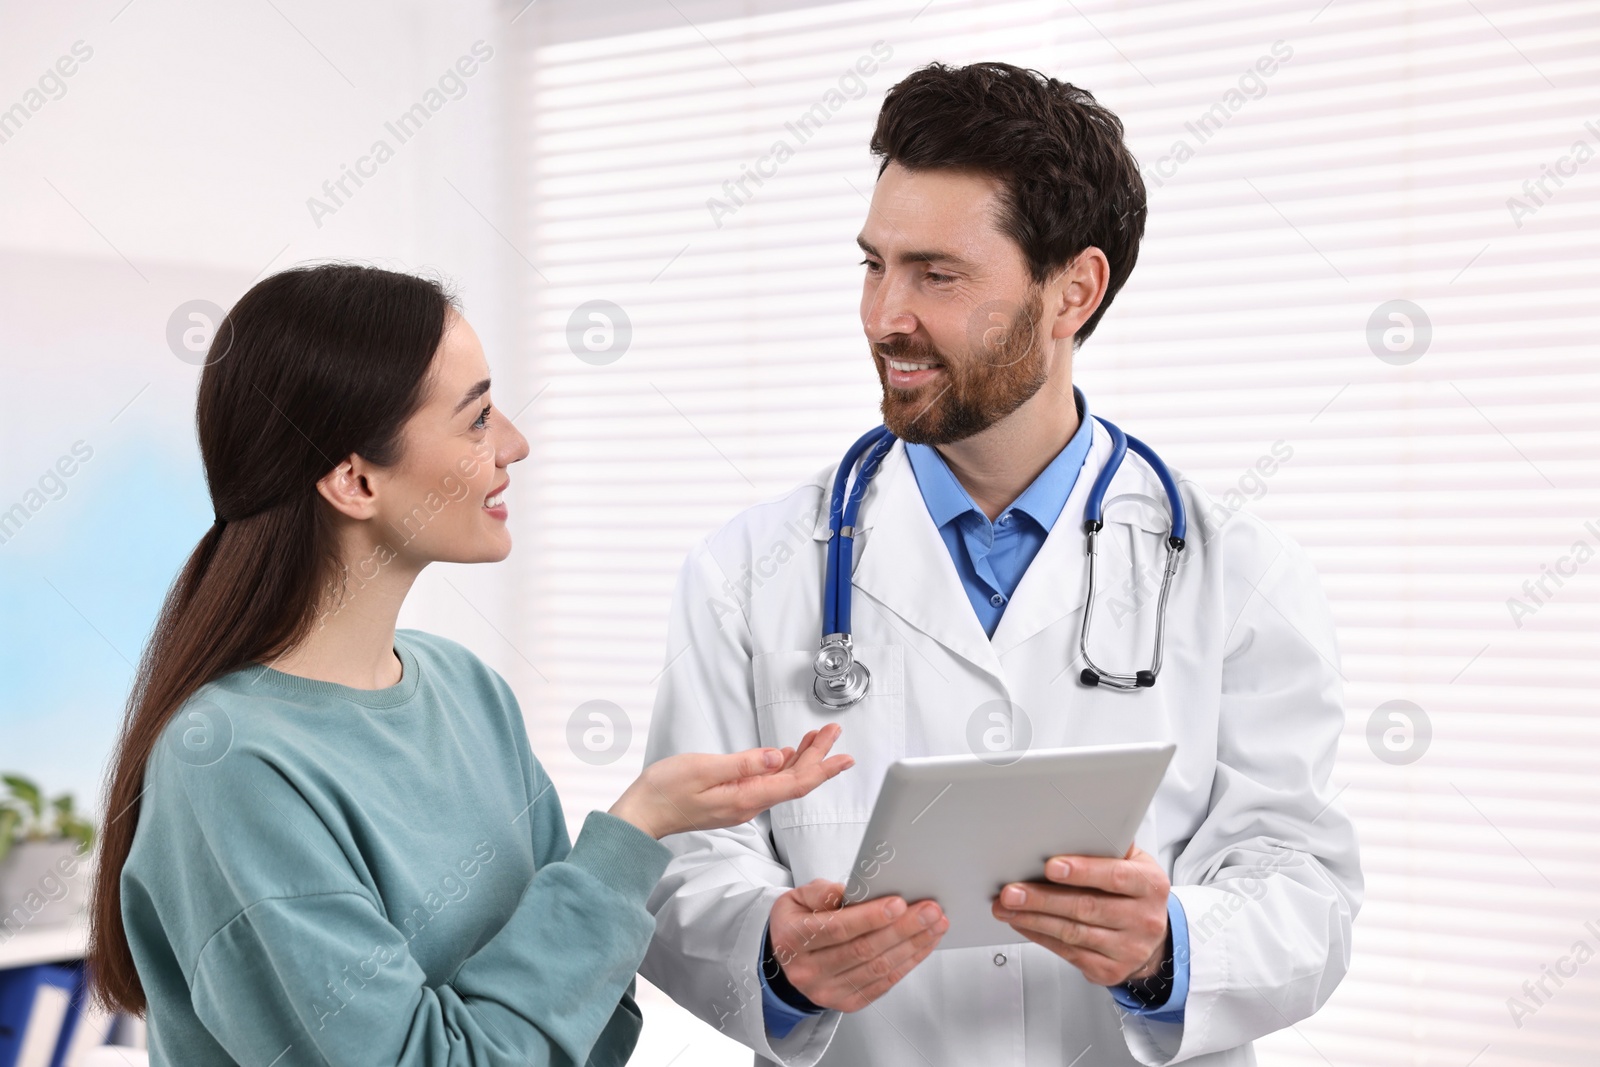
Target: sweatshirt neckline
[387, 697]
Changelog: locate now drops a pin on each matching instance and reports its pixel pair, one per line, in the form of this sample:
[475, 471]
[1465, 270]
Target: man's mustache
[909, 351]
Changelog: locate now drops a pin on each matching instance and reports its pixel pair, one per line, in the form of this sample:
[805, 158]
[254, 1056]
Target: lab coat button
[999, 959]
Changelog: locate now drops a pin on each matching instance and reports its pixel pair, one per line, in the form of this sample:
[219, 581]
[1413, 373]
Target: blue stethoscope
[842, 681]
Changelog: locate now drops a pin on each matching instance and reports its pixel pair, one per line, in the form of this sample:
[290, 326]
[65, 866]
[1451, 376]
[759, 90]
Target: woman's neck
[352, 640]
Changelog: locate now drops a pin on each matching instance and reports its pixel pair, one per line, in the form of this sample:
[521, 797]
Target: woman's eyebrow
[472, 394]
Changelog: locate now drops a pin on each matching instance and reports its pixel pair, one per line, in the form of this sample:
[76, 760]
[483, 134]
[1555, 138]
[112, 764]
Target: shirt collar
[1042, 501]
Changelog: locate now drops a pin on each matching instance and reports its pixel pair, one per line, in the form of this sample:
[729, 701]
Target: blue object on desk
[87, 1026]
[34, 1004]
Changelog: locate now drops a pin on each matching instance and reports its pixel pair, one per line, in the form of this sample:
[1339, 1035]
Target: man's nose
[888, 312]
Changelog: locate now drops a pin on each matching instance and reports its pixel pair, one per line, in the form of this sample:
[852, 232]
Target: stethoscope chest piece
[841, 681]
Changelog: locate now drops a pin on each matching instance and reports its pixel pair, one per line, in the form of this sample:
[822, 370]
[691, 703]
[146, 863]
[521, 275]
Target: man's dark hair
[1069, 181]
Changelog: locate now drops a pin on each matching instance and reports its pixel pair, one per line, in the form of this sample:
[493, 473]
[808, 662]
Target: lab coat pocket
[874, 730]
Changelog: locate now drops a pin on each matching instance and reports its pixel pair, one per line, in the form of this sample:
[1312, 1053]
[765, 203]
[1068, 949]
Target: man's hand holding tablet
[846, 956]
[1106, 917]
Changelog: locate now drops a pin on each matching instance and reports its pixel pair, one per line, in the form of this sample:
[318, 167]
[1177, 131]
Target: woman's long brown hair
[311, 366]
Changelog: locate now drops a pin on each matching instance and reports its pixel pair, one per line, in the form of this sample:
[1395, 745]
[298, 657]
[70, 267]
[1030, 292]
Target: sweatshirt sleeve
[325, 976]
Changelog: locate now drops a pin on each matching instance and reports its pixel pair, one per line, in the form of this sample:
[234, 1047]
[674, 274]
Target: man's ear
[349, 489]
[1072, 296]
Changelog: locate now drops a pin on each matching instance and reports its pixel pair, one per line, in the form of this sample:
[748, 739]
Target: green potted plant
[44, 846]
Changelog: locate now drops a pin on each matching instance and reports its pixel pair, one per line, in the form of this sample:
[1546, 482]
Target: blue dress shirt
[991, 558]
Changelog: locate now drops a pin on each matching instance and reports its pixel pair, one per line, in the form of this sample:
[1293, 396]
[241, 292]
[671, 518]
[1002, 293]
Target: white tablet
[956, 829]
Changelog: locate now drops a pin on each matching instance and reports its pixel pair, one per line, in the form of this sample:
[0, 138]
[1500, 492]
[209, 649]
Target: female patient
[328, 840]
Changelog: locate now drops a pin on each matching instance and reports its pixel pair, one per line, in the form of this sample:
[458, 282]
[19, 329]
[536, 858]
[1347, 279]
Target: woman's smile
[495, 504]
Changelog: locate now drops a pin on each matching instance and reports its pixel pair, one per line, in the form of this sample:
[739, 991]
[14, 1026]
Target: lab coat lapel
[903, 564]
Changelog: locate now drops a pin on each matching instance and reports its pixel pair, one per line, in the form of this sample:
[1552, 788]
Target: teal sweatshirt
[328, 875]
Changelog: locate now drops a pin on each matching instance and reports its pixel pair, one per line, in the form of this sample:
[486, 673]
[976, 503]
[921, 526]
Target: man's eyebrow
[472, 394]
[929, 256]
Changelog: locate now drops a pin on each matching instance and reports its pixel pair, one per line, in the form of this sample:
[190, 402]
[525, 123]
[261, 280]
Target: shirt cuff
[779, 1015]
[1172, 1010]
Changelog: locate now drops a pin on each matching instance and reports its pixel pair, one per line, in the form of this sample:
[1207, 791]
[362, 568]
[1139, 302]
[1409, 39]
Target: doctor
[1006, 216]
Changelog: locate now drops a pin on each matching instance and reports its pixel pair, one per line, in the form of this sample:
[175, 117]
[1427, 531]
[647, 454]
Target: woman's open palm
[705, 791]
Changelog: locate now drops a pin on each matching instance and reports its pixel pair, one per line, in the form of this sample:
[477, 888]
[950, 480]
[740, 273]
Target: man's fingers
[1089, 906]
[819, 894]
[810, 932]
[1098, 968]
[862, 993]
[824, 929]
[1068, 931]
[848, 955]
[1124, 877]
[853, 954]
[884, 959]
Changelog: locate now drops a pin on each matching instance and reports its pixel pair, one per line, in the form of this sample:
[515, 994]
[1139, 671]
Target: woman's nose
[513, 448]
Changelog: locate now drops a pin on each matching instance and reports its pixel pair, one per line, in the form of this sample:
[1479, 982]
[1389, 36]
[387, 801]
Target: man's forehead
[922, 211]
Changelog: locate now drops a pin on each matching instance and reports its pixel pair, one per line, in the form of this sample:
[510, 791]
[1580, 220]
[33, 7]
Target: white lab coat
[1260, 855]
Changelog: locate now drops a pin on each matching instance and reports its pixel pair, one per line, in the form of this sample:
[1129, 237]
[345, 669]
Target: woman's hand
[704, 791]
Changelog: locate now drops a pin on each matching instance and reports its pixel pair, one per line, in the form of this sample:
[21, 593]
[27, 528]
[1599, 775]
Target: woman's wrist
[625, 810]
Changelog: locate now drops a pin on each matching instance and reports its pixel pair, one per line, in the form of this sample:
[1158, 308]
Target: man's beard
[993, 378]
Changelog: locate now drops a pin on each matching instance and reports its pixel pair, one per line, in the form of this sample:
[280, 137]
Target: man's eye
[869, 264]
[937, 279]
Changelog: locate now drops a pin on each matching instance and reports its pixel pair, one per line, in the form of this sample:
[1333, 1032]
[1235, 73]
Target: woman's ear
[349, 490]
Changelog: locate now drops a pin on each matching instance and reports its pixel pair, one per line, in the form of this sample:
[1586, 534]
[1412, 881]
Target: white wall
[176, 164]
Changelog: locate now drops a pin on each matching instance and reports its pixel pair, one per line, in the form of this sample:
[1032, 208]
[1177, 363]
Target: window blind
[1365, 308]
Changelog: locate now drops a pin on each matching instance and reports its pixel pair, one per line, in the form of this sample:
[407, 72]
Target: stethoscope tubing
[844, 507]
[842, 512]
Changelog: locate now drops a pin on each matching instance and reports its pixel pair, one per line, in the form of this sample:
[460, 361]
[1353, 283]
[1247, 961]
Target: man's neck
[995, 466]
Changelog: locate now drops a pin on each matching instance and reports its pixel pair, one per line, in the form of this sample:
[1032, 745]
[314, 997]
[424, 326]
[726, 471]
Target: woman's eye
[482, 421]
